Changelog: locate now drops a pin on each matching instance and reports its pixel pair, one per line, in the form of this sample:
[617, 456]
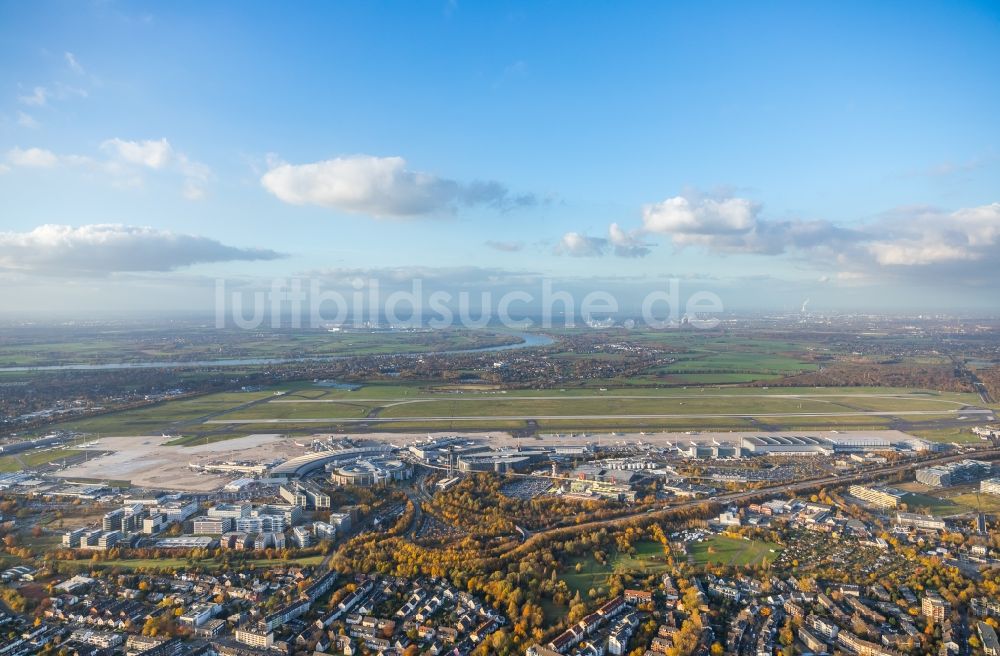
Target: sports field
[930, 505]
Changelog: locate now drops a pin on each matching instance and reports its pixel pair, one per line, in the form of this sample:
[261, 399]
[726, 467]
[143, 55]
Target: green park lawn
[647, 559]
[723, 550]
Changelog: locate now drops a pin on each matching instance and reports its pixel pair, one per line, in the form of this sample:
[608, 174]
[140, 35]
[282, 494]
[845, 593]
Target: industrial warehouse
[797, 445]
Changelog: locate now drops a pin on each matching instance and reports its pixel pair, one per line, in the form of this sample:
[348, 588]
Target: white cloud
[734, 225]
[158, 155]
[920, 237]
[702, 216]
[111, 248]
[576, 244]
[67, 92]
[125, 162]
[619, 242]
[627, 243]
[196, 177]
[37, 158]
[951, 167]
[936, 246]
[910, 253]
[49, 94]
[154, 154]
[979, 225]
[41, 158]
[73, 63]
[381, 187]
[506, 246]
[463, 276]
[37, 98]
[26, 120]
[193, 190]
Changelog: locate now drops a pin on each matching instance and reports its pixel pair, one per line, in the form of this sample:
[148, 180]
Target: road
[530, 538]
[417, 494]
[736, 497]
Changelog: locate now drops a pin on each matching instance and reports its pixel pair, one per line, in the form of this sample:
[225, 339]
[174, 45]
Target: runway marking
[327, 420]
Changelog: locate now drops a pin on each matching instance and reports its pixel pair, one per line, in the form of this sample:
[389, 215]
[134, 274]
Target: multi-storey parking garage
[369, 472]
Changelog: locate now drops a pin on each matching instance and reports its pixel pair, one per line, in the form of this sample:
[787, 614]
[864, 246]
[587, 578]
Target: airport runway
[735, 415]
[479, 397]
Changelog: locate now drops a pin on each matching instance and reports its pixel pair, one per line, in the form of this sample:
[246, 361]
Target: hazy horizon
[841, 157]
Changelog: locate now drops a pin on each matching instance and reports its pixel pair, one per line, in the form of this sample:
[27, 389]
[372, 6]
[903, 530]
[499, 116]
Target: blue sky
[843, 152]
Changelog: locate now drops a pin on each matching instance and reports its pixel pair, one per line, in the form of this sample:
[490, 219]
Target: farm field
[720, 362]
[207, 345]
[723, 550]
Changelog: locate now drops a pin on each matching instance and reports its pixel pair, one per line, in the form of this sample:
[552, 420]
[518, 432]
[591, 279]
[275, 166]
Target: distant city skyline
[783, 155]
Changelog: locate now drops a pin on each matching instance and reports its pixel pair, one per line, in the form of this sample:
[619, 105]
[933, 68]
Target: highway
[417, 493]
